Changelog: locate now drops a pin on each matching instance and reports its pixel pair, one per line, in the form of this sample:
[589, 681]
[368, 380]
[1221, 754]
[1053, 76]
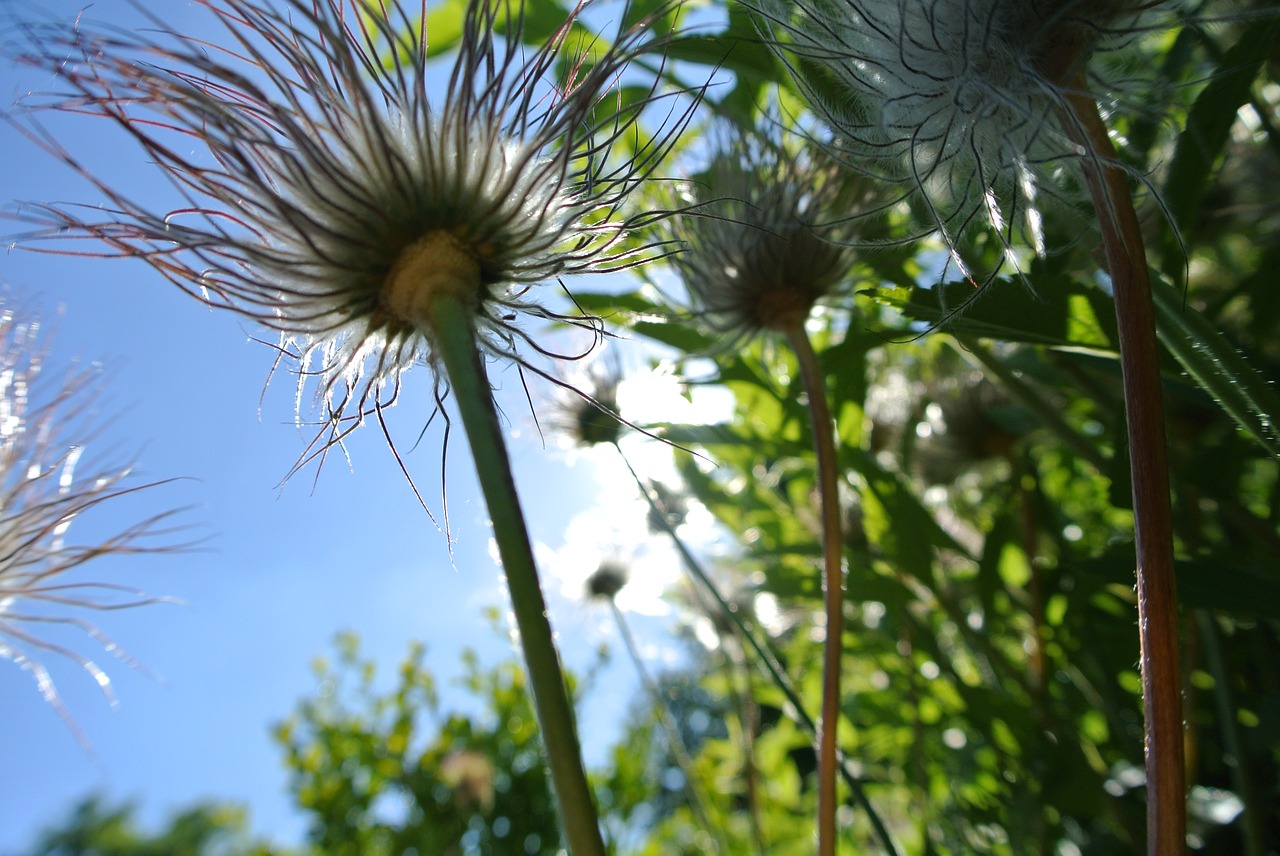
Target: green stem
[455, 339]
[1148, 462]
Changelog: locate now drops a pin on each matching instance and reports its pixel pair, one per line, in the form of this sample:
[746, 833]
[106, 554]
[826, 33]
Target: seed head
[609, 578]
[767, 234]
[957, 101]
[588, 414]
[971, 421]
[335, 184]
[670, 507]
[43, 489]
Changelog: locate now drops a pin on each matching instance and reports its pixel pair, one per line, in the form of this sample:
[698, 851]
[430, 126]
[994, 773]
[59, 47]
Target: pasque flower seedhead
[335, 183]
[766, 234]
[45, 486]
[588, 415]
[959, 102]
[609, 578]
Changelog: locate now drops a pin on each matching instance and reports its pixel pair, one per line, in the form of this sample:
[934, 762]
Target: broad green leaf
[444, 26]
[606, 304]
[1042, 314]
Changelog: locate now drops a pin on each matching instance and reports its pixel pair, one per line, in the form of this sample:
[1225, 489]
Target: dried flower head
[609, 578]
[43, 489]
[767, 235]
[335, 184]
[970, 421]
[587, 413]
[958, 101]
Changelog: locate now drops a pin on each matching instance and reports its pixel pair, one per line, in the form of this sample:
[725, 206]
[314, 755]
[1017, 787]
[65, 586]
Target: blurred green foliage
[374, 780]
[94, 828]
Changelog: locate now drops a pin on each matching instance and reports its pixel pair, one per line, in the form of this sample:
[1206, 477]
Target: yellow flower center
[434, 266]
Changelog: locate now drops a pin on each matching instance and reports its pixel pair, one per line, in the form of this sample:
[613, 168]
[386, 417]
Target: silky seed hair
[315, 161]
[49, 478]
[958, 102]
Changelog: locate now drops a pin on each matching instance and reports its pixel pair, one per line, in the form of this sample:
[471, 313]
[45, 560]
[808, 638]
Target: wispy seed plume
[46, 425]
[333, 180]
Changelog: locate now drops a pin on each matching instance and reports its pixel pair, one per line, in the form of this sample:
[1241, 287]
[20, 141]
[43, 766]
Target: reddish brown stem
[832, 580]
[1148, 463]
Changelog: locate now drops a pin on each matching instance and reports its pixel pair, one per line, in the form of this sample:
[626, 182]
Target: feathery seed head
[43, 489]
[956, 100]
[971, 421]
[607, 580]
[333, 188]
[588, 413]
[767, 235]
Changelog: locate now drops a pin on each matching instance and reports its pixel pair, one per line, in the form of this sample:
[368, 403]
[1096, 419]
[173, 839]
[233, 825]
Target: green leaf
[444, 26]
[605, 304]
[1225, 585]
[1209, 124]
[896, 521]
[1046, 310]
[682, 337]
[1218, 582]
[1218, 367]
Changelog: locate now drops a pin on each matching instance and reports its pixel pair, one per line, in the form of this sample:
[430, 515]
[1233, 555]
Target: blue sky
[280, 570]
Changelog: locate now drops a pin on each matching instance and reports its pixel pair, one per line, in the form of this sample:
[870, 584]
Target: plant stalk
[832, 580]
[1148, 462]
[453, 330]
[766, 657]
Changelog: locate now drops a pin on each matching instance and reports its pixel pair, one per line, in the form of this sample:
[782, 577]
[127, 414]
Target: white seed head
[44, 487]
[326, 166]
[767, 233]
[959, 102]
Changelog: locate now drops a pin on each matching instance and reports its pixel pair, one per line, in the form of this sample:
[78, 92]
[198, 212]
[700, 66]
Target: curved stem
[454, 335]
[1148, 462]
[832, 580]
